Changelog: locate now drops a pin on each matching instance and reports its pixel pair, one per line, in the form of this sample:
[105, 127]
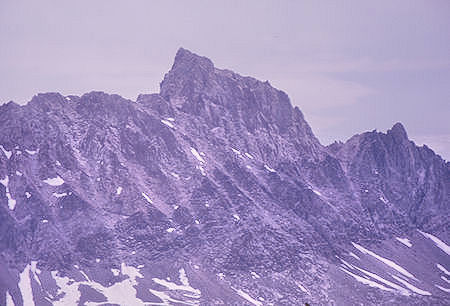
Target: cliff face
[213, 191]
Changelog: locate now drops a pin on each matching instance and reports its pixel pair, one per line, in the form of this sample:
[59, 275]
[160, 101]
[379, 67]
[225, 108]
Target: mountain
[213, 192]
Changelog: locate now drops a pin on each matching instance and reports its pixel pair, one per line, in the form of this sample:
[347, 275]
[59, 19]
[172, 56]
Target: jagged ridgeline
[213, 192]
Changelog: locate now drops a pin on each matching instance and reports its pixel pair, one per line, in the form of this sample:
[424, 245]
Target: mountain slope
[214, 191]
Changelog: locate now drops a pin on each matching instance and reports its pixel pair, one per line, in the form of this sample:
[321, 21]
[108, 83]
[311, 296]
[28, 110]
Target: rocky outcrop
[218, 175]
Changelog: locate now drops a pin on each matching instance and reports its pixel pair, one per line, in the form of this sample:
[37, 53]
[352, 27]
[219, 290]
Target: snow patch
[443, 289]
[440, 267]
[25, 287]
[147, 197]
[255, 275]
[366, 281]
[236, 151]
[439, 243]
[44, 221]
[18, 173]
[400, 289]
[269, 169]
[354, 255]
[121, 293]
[411, 287]
[384, 260]
[11, 201]
[405, 241]
[7, 153]
[316, 192]
[59, 195]
[30, 152]
[170, 229]
[202, 170]
[115, 272]
[56, 181]
[119, 190]
[169, 124]
[9, 300]
[249, 155]
[302, 288]
[247, 297]
[197, 155]
[185, 286]
[382, 199]
[27, 194]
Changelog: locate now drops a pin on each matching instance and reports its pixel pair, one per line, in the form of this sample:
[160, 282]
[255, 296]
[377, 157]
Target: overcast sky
[350, 66]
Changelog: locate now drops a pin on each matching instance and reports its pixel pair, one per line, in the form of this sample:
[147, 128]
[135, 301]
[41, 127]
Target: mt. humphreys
[213, 192]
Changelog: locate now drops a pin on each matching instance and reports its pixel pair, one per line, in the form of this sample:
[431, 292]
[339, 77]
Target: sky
[350, 66]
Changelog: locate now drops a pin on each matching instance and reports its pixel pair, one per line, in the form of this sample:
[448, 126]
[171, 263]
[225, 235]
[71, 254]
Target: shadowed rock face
[218, 186]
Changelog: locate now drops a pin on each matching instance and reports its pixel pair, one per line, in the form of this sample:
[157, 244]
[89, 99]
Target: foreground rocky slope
[214, 191]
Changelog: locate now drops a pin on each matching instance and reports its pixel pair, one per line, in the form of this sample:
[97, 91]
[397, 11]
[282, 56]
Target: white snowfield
[439, 243]
[197, 155]
[120, 293]
[55, 181]
[405, 241]
[386, 261]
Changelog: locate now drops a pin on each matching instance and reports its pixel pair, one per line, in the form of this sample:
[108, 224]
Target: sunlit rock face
[213, 192]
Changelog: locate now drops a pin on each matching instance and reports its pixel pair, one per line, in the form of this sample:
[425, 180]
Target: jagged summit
[185, 59]
[398, 131]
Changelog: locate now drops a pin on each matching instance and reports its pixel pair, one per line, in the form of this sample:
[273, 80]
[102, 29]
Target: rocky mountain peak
[398, 131]
[187, 59]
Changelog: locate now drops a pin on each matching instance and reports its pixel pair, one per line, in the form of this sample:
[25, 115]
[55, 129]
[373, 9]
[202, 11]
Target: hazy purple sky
[350, 66]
